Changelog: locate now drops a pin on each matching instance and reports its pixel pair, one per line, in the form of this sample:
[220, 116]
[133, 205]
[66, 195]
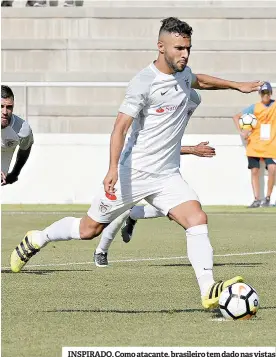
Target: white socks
[200, 254]
[66, 229]
[148, 211]
[110, 232]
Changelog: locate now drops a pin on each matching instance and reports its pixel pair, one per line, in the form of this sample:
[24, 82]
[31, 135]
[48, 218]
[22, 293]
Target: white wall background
[69, 168]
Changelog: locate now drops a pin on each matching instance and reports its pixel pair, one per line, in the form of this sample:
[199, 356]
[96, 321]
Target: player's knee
[197, 219]
[89, 228]
[271, 169]
[90, 232]
[255, 171]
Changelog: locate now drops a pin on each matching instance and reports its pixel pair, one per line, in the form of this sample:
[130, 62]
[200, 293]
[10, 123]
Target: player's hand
[110, 181]
[248, 87]
[245, 134]
[3, 179]
[203, 150]
[11, 178]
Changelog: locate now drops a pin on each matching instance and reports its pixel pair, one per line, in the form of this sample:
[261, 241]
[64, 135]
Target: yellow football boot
[23, 252]
[211, 300]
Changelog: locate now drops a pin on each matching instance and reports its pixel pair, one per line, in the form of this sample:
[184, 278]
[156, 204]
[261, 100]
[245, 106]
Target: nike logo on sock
[207, 269]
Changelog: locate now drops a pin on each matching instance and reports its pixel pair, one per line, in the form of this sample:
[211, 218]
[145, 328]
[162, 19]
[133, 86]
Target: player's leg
[67, 228]
[181, 204]
[200, 252]
[144, 212]
[103, 210]
[137, 212]
[108, 235]
[271, 168]
[254, 166]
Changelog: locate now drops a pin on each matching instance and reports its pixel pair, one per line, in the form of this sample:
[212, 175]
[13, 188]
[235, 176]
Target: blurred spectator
[42, 3]
[261, 143]
[67, 3]
[36, 3]
[6, 3]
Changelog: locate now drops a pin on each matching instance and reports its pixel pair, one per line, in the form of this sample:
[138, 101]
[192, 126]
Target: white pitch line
[219, 319]
[135, 260]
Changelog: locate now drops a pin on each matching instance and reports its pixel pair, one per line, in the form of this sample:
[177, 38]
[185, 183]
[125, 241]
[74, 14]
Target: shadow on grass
[46, 271]
[50, 271]
[214, 313]
[217, 313]
[249, 265]
[115, 311]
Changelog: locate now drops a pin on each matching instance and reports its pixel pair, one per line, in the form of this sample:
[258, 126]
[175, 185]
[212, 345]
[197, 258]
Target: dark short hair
[6, 92]
[174, 25]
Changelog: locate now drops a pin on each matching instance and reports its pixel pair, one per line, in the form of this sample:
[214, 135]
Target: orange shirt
[262, 141]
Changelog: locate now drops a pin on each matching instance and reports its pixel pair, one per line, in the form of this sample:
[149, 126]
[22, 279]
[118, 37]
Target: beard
[172, 64]
[5, 122]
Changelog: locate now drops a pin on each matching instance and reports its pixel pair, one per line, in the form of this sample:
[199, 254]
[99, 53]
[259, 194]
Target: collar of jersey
[156, 70]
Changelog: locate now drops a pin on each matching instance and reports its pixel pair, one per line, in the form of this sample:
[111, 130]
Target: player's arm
[122, 124]
[25, 145]
[3, 178]
[21, 159]
[204, 81]
[236, 122]
[117, 140]
[202, 149]
[134, 101]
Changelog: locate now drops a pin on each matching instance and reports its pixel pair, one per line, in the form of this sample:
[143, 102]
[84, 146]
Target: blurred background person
[261, 143]
[6, 3]
[43, 3]
[14, 132]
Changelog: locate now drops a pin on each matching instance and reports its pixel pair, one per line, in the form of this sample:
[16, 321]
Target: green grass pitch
[148, 296]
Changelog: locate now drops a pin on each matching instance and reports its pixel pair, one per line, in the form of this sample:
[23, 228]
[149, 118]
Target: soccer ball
[239, 302]
[248, 121]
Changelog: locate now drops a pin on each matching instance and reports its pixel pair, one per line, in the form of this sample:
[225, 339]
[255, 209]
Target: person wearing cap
[261, 143]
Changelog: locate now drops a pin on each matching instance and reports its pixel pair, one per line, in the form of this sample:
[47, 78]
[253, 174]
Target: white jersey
[193, 103]
[17, 133]
[159, 104]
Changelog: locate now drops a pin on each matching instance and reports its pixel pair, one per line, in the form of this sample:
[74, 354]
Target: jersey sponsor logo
[103, 207]
[110, 196]
[171, 108]
[160, 110]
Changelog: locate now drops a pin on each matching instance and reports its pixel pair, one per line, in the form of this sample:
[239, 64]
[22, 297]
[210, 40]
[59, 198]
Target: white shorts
[161, 191]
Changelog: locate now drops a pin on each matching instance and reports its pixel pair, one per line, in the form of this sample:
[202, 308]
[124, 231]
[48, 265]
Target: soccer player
[155, 105]
[14, 131]
[261, 143]
[129, 218]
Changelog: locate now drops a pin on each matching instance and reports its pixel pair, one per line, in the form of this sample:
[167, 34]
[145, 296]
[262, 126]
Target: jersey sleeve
[195, 97]
[249, 110]
[137, 94]
[194, 79]
[26, 138]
